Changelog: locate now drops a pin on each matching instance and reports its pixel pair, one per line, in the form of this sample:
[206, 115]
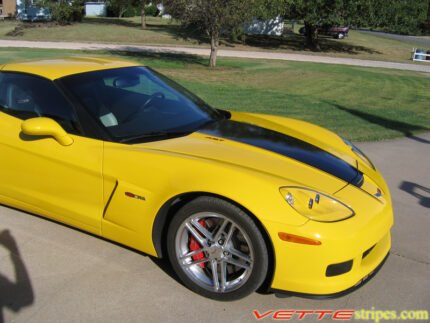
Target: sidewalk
[222, 53]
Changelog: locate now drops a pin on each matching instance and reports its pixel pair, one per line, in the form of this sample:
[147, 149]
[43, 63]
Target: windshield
[136, 103]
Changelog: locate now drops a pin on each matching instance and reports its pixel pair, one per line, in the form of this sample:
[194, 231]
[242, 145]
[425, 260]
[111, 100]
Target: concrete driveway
[222, 53]
[69, 276]
[423, 40]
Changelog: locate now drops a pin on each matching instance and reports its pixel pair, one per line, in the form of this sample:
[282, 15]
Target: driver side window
[25, 96]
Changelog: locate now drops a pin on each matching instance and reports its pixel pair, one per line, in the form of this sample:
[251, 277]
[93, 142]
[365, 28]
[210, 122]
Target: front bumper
[284, 294]
[363, 240]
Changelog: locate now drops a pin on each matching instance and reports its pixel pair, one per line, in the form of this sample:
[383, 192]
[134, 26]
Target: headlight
[315, 205]
[359, 153]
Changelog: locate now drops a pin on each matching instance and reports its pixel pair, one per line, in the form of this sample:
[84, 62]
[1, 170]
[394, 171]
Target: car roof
[59, 67]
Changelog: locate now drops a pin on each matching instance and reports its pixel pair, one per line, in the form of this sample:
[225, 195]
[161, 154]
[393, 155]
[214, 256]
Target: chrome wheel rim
[214, 252]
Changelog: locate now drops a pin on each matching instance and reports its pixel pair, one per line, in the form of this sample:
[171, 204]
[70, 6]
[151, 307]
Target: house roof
[60, 67]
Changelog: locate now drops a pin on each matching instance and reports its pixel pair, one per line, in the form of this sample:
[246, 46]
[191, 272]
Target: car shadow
[406, 129]
[166, 267]
[17, 294]
[162, 263]
[418, 191]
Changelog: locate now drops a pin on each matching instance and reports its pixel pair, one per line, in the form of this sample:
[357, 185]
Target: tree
[268, 9]
[428, 12]
[315, 12]
[143, 4]
[63, 11]
[399, 16]
[120, 6]
[212, 17]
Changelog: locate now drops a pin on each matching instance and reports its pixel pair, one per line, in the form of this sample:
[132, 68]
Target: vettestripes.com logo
[342, 315]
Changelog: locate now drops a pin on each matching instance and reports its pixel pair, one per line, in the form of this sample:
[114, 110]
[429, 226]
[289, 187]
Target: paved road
[423, 41]
[222, 53]
[71, 276]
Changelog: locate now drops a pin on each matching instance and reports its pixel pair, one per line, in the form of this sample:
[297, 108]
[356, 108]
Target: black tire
[245, 231]
[340, 36]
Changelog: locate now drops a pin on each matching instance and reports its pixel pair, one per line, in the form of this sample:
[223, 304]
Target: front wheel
[217, 250]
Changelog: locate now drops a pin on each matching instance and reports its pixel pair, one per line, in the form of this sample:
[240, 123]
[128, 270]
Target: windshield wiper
[207, 123]
[155, 134]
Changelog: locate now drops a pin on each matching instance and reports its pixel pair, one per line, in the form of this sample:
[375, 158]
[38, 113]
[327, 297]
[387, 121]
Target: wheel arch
[171, 206]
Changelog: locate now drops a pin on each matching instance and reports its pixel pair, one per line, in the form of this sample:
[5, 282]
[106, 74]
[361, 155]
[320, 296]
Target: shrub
[123, 8]
[151, 10]
[132, 11]
[65, 13]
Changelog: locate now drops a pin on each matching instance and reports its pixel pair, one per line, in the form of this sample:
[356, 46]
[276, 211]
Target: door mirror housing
[46, 127]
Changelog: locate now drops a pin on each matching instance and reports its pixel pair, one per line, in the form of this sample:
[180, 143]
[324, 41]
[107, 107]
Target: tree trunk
[142, 14]
[312, 37]
[428, 13]
[214, 48]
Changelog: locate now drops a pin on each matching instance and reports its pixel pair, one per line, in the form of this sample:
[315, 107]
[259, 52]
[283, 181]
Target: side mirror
[46, 127]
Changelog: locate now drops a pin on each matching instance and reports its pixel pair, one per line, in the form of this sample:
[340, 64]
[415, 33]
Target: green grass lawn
[105, 30]
[361, 104]
[165, 32]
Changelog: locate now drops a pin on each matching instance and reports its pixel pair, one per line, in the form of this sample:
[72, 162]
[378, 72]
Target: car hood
[296, 152]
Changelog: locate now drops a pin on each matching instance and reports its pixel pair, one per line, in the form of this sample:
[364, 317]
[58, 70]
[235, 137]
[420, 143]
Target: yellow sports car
[236, 201]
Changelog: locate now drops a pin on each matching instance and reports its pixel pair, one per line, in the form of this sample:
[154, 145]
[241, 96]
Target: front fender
[138, 185]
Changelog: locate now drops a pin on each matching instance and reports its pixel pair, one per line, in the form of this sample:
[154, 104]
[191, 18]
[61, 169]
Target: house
[7, 8]
[274, 26]
[10, 8]
[97, 8]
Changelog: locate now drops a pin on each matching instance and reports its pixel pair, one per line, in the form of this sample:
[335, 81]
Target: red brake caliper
[195, 245]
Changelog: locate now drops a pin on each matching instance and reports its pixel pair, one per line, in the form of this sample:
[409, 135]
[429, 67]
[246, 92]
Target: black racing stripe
[285, 145]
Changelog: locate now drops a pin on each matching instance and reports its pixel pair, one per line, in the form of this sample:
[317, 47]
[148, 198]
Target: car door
[39, 174]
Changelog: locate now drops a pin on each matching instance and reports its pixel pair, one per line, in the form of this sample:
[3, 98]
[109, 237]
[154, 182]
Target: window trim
[92, 125]
[99, 131]
[91, 129]
[80, 129]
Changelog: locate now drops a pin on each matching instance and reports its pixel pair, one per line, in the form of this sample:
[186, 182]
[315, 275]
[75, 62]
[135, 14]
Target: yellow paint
[46, 127]
[84, 184]
[65, 182]
[59, 67]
